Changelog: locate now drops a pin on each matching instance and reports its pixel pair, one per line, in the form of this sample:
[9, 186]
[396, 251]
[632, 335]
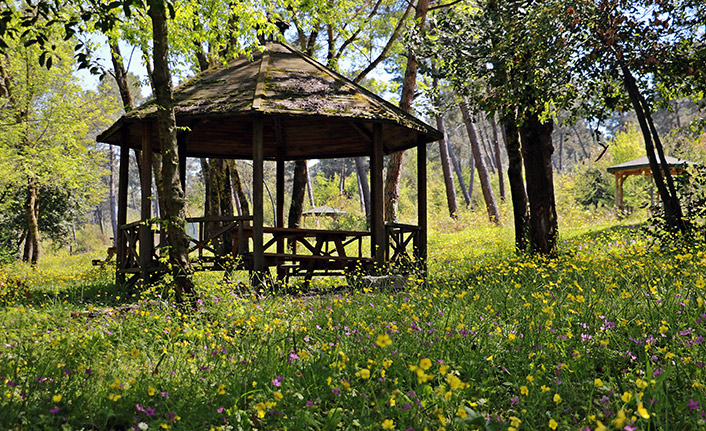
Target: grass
[607, 336]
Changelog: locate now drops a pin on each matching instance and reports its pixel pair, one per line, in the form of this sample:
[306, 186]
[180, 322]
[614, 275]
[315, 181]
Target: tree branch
[386, 49]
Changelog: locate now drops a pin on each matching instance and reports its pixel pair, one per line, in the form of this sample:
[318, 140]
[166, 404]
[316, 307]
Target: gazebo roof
[309, 111]
[643, 162]
[324, 210]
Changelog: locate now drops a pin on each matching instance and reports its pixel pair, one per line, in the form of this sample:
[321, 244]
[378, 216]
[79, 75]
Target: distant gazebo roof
[324, 210]
[638, 165]
[641, 166]
[314, 111]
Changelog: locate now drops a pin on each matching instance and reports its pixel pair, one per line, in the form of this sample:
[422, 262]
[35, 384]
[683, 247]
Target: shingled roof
[644, 162]
[317, 112]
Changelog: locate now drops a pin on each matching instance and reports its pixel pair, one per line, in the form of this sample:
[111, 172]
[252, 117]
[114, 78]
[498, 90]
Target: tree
[651, 44]
[46, 119]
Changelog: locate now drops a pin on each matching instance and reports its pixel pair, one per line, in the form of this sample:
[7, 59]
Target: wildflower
[693, 405]
[515, 421]
[524, 390]
[386, 363]
[530, 378]
[598, 383]
[545, 388]
[278, 395]
[56, 398]
[365, 373]
[425, 364]
[557, 398]
[114, 397]
[553, 424]
[641, 383]
[443, 369]
[55, 410]
[388, 424]
[143, 426]
[600, 426]
[620, 419]
[151, 391]
[383, 340]
[627, 396]
[221, 389]
[461, 412]
[642, 411]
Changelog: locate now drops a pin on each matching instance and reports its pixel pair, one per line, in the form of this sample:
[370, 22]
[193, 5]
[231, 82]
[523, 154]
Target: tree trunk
[240, 195]
[120, 74]
[537, 155]
[111, 199]
[444, 152]
[298, 190]
[174, 214]
[485, 146]
[446, 167]
[364, 185]
[670, 200]
[459, 175]
[342, 180]
[394, 163]
[488, 196]
[498, 157]
[31, 249]
[309, 188]
[518, 194]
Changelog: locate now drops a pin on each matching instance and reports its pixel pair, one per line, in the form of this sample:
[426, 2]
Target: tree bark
[174, 214]
[498, 157]
[394, 164]
[537, 152]
[490, 204]
[518, 194]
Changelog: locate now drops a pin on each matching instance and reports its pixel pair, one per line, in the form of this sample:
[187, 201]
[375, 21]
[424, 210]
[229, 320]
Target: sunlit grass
[607, 336]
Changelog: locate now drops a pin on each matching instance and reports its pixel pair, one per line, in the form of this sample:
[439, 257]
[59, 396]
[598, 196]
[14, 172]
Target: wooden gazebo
[640, 166]
[280, 105]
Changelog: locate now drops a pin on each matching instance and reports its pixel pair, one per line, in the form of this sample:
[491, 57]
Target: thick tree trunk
[174, 214]
[498, 157]
[298, 190]
[488, 196]
[537, 152]
[518, 194]
[31, 249]
[309, 188]
[394, 163]
[670, 200]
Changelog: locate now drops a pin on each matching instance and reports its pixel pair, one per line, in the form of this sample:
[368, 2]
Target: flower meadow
[609, 336]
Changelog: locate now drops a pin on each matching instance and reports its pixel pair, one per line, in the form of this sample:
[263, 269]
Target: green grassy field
[607, 336]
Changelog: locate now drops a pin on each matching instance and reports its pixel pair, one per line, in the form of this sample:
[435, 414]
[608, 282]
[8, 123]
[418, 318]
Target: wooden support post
[377, 220]
[146, 235]
[123, 171]
[422, 200]
[617, 191]
[279, 192]
[181, 142]
[258, 199]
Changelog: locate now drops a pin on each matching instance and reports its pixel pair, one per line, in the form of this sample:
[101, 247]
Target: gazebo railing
[402, 243]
